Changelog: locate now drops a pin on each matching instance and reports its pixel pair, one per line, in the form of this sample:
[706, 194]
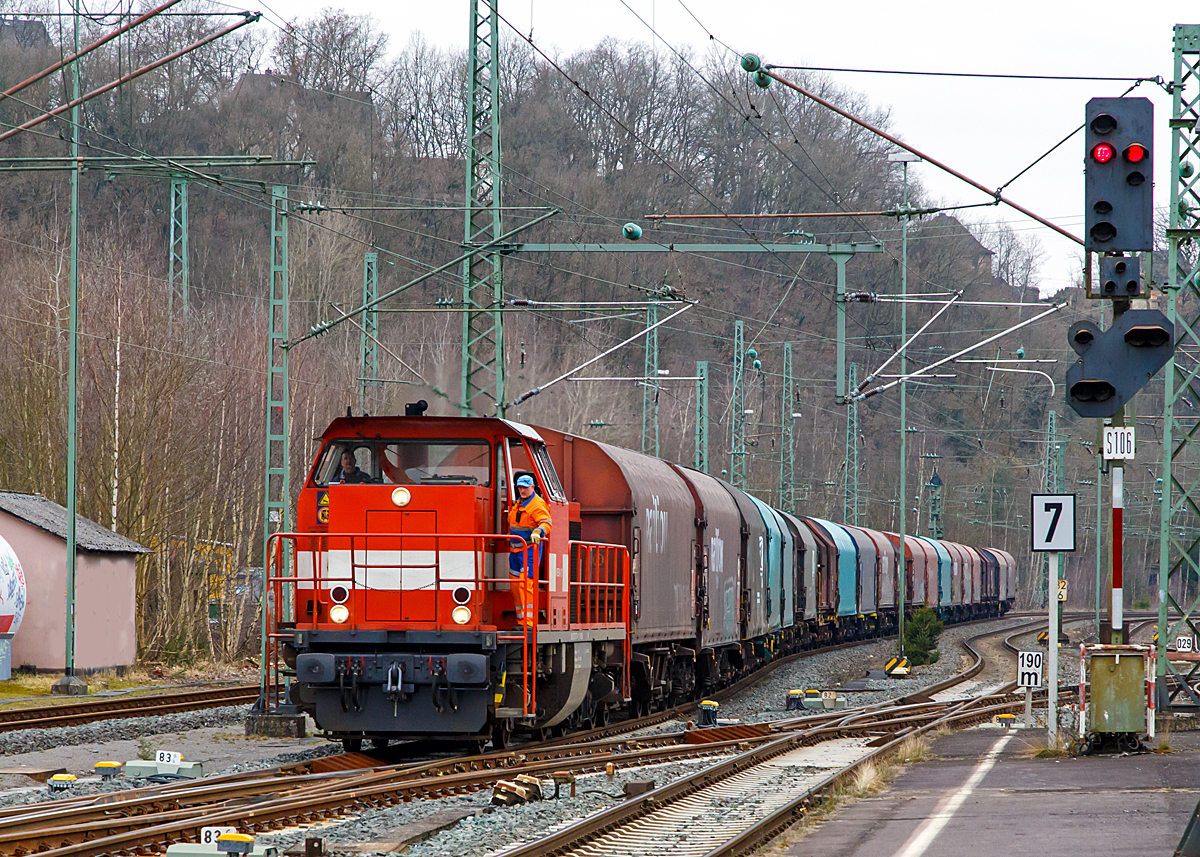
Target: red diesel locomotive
[392, 616]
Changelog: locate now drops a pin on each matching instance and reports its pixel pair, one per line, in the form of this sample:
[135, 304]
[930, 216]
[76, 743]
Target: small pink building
[105, 587]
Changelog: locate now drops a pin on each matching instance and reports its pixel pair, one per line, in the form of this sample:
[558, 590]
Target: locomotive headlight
[461, 615]
[339, 613]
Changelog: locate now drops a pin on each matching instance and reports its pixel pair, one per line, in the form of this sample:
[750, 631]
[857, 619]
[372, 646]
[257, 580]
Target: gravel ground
[22, 793]
[767, 700]
[328, 748]
[491, 828]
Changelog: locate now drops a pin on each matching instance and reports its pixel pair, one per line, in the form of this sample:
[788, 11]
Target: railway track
[91, 710]
[148, 819]
[734, 807]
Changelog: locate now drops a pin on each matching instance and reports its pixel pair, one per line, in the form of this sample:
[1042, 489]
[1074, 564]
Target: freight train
[391, 615]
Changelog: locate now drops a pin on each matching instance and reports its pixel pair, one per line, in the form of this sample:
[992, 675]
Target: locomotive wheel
[500, 736]
[352, 745]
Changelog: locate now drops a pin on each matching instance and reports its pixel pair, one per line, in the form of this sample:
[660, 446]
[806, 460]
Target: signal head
[1118, 209]
[1103, 123]
[1103, 152]
[1135, 153]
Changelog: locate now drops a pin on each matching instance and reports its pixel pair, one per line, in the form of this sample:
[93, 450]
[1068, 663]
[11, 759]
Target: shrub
[921, 636]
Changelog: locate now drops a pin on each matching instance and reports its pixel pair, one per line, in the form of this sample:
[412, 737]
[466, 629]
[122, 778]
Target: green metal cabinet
[1118, 692]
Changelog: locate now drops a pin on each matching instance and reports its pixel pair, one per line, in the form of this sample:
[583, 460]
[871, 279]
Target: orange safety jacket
[525, 516]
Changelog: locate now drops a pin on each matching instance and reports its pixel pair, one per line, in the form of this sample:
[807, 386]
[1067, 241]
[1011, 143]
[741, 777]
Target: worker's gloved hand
[536, 536]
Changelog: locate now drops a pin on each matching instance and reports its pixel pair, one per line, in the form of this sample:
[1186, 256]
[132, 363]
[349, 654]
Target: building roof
[47, 515]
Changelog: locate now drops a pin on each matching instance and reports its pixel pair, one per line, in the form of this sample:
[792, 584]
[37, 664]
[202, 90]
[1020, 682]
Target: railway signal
[1118, 186]
[1116, 363]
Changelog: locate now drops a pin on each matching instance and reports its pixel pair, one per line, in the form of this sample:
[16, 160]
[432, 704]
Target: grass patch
[915, 748]
[1163, 738]
[869, 779]
[1043, 749]
[29, 689]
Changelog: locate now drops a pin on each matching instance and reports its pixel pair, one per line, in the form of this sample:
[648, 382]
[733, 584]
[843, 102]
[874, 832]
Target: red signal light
[1104, 152]
[1135, 153]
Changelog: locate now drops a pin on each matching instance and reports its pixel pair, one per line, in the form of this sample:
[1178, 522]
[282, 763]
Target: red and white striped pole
[1118, 509]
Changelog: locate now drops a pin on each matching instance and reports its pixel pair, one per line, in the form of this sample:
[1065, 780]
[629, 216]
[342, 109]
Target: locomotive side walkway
[982, 796]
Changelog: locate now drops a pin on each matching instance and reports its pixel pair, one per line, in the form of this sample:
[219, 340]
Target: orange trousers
[524, 593]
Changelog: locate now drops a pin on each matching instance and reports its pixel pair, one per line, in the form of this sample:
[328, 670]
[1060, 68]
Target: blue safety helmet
[525, 481]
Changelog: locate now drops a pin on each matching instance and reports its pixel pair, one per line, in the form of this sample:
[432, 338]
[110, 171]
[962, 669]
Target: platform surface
[1113, 805]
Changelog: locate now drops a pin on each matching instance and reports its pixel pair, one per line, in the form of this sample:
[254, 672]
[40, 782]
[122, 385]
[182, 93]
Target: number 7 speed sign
[1053, 518]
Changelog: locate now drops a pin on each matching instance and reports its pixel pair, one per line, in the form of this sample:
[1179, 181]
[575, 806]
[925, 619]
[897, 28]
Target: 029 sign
[1118, 443]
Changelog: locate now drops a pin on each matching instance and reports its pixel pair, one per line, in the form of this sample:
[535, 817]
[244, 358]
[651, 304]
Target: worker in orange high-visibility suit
[528, 518]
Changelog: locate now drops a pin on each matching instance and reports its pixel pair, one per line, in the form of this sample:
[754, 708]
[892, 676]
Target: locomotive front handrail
[591, 593]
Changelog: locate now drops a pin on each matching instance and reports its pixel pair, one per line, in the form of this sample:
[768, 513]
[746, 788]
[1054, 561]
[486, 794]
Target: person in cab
[350, 473]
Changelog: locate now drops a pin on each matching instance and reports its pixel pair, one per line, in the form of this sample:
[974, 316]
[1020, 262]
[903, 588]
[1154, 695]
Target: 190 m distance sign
[1053, 517]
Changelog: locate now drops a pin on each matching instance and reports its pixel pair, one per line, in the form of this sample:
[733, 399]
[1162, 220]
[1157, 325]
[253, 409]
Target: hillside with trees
[173, 399]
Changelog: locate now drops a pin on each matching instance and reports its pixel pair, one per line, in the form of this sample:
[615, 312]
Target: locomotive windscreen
[410, 461]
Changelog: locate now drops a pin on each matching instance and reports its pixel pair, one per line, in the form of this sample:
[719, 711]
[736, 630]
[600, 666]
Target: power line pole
[70, 683]
[1051, 484]
[936, 506]
[650, 386]
[277, 470]
[368, 380]
[850, 477]
[1181, 449]
[737, 419]
[701, 459]
[178, 274]
[787, 442]
[483, 372]
[904, 158]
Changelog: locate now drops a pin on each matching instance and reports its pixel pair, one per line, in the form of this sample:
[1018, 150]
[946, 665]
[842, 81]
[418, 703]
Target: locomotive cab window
[406, 462]
[346, 462]
[435, 462]
[531, 457]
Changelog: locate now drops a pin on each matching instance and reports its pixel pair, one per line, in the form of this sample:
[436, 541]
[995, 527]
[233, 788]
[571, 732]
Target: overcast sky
[988, 129]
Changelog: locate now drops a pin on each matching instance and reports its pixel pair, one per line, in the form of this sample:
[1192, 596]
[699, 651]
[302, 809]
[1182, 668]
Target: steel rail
[265, 800]
[107, 825]
[88, 711]
[902, 721]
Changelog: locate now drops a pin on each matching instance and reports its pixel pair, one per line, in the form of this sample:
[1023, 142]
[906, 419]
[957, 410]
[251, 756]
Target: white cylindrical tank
[12, 590]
